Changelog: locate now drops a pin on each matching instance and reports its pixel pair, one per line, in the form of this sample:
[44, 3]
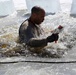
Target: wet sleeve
[34, 42]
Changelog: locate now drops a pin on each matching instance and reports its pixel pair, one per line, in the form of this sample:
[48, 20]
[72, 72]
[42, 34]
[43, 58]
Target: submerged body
[30, 31]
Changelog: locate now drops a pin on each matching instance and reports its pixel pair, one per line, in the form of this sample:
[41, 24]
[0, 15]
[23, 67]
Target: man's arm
[34, 42]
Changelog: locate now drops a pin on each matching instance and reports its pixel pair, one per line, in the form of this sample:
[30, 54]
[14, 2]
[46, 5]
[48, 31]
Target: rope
[57, 62]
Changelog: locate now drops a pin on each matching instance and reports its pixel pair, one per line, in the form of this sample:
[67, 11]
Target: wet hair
[37, 10]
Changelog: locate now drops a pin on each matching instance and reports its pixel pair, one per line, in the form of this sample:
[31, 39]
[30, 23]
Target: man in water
[30, 31]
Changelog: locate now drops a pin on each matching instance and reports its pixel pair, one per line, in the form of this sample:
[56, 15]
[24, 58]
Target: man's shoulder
[25, 23]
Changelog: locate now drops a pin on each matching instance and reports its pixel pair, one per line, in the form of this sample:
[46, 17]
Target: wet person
[30, 31]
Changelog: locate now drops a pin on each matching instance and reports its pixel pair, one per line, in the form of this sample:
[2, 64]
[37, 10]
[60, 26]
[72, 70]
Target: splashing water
[9, 32]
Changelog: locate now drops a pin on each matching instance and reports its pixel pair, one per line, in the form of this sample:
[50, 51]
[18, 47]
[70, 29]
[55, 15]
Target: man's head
[37, 15]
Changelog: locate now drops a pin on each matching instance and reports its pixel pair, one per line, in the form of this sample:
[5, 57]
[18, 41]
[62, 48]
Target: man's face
[40, 18]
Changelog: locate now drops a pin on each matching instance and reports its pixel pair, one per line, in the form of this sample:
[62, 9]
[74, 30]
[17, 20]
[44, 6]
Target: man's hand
[52, 38]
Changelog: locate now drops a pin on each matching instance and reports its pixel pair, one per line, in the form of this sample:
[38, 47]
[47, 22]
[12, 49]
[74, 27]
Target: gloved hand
[52, 38]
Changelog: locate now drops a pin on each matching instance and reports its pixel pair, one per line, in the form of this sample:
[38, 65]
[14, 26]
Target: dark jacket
[30, 33]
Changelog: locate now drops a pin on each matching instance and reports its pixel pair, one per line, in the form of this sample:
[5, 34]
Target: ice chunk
[6, 7]
[50, 6]
[20, 4]
[73, 9]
